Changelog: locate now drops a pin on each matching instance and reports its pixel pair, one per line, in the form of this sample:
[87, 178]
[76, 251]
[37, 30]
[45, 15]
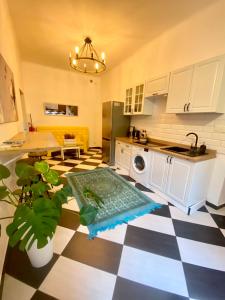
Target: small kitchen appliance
[143, 137]
[136, 134]
[131, 131]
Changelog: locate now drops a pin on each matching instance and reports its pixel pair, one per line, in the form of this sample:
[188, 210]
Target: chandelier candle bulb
[103, 56]
[77, 50]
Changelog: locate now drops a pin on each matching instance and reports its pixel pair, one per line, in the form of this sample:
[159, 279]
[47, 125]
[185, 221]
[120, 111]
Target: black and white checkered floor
[163, 255]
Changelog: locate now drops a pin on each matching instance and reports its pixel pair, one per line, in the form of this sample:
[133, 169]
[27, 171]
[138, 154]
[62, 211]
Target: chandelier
[86, 59]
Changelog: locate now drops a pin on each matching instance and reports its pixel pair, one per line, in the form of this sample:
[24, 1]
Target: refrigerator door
[106, 150]
[120, 123]
[107, 119]
[114, 124]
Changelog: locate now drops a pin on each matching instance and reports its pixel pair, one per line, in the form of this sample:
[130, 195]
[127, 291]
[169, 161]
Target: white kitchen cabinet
[157, 86]
[128, 103]
[206, 84]
[198, 88]
[123, 155]
[183, 182]
[178, 178]
[179, 90]
[158, 170]
[135, 102]
[117, 153]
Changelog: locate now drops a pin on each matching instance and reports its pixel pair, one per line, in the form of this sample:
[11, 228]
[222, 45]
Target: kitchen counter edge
[210, 153]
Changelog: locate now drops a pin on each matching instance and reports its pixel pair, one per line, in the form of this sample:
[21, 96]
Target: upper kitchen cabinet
[207, 86]
[135, 102]
[157, 86]
[128, 103]
[198, 88]
[179, 90]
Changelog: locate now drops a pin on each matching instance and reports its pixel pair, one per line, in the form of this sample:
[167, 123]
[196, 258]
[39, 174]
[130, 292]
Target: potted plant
[69, 139]
[37, 209]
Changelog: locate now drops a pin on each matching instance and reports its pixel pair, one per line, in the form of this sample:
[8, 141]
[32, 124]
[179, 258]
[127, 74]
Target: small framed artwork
[52, 109]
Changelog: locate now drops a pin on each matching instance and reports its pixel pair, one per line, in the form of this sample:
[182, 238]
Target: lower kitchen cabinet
[178, 179]
[158, 171]
[123, 155]
[183, 181]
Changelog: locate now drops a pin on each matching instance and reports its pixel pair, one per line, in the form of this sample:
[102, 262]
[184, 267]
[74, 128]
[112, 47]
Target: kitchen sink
[177, 149]
[183, 151]
[151, 144]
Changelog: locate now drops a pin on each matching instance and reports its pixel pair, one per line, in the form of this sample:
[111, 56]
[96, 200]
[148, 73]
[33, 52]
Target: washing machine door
[139, 163]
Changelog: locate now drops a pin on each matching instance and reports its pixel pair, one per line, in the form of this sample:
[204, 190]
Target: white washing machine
[140, 164]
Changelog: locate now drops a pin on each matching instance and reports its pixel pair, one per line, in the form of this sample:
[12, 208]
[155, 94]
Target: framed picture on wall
[52, 109]
[8, 111]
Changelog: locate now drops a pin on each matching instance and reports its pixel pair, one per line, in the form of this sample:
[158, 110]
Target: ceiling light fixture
[86, 59]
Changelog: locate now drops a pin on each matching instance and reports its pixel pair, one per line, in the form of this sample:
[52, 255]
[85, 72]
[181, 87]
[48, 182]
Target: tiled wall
[210, 127]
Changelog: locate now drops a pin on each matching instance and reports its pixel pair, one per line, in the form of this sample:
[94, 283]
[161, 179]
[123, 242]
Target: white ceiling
[47, 29]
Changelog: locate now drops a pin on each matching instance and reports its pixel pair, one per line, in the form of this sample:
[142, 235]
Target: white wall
[44, 84]
[197, 38]
[9, 50]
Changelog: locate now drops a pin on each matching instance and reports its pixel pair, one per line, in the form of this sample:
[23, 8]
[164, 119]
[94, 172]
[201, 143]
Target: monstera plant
[37, 207]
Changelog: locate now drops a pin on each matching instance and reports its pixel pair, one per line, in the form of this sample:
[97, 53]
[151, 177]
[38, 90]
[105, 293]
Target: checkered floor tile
[162, 255]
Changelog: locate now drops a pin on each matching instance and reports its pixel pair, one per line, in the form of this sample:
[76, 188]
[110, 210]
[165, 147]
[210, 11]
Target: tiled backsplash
[210, 127]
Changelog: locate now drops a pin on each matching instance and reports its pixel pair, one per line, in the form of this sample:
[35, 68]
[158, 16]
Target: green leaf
[23, 182]
[60, 197]
[38, 222]
[17, 192]
[4, 172]
[88, 214]
[25, 171]
[39, 188]
[3, 192]
[52, 177]
[89, 194]
[41, 166]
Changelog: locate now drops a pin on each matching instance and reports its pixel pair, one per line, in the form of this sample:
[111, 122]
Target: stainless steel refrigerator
[114, 124]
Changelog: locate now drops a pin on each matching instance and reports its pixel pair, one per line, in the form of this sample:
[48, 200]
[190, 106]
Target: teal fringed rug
[122, 201]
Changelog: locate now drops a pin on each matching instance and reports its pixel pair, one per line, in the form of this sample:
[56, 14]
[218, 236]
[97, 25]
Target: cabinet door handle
[185, 107]
[167, 159]
[171, 160]
[188, 106]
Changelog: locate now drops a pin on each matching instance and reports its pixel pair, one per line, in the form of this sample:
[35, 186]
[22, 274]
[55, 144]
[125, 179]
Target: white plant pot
[40, 257]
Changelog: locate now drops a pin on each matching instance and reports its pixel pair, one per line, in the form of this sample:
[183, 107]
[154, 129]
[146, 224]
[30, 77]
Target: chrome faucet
[196, 139]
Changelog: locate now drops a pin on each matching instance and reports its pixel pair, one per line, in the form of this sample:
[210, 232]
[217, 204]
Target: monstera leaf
[3, 192]
[52, 177]
[33, 223]
[4, 172]
[25, 171]
[60, 197]
[41, 166]
[39, 188]
[88, 214]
